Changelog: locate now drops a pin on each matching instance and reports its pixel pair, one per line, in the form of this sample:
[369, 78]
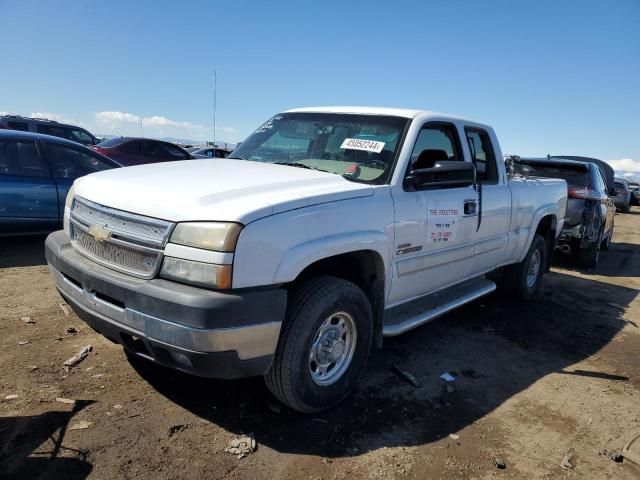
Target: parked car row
[126, 151]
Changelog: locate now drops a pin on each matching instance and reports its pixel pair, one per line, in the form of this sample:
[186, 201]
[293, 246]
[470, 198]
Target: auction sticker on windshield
[365, 145]
[442, 223]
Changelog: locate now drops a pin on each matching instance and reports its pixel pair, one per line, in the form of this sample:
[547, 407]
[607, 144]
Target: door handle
[470, 207]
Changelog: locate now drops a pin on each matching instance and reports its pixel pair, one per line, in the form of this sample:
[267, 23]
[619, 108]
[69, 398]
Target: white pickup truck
[327, 230]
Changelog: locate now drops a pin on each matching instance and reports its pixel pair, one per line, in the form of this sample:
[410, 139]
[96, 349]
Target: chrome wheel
[332, 349]
[534, 268]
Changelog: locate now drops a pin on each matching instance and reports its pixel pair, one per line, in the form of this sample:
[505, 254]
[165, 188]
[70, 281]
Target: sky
[558, 77]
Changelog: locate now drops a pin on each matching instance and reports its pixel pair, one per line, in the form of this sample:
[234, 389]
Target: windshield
[361, 148]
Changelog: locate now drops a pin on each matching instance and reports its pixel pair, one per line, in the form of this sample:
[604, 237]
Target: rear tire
[328, 321]
[522, 280]
[627, 208]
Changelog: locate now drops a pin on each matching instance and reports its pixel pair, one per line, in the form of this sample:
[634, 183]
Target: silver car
[622, 197]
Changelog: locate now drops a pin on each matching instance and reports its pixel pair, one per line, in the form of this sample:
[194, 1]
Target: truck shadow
[20, 437]
[25, 251]
[494, 347]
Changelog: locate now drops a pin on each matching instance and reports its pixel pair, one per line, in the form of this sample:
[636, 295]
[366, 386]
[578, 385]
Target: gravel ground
[557, 378]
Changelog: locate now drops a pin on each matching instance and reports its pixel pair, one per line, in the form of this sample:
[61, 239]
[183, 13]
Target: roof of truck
[397, 112]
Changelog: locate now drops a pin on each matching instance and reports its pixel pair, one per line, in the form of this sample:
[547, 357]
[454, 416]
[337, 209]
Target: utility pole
[215, 88]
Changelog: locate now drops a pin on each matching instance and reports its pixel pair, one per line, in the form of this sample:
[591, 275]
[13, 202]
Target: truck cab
[326, 230]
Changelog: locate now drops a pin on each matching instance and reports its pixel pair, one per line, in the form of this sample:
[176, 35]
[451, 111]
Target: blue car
[36, 171]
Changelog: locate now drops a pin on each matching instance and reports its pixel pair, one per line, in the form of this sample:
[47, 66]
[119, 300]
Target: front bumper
[199, 331]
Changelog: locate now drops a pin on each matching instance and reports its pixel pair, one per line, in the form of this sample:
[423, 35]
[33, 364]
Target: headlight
[196, 273]
[218, 236]
[67, 210]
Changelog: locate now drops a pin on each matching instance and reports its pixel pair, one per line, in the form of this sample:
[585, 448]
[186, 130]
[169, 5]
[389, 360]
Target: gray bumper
[204, 332]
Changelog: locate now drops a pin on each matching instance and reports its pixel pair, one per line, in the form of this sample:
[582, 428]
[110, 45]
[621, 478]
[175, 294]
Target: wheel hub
[332, 350]
[534, 268]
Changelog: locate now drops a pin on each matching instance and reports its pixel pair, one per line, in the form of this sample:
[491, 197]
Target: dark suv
[48, 127]
[590, 213]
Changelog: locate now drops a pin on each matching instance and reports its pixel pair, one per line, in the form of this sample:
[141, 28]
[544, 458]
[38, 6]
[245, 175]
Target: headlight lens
[218, 236]
[196, 273]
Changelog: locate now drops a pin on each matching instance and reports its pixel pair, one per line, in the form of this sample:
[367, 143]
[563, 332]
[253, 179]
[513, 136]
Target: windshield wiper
[236, 158]
[302, 165]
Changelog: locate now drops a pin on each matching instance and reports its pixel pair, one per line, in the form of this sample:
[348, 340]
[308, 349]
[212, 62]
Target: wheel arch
[364, 267]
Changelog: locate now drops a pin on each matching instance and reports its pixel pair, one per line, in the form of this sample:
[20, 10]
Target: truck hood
[216, 189]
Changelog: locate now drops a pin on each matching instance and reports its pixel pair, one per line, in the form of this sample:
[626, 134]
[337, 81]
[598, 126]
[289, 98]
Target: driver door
[434, 227]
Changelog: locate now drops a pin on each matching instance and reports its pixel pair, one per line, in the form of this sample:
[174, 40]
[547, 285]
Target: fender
[301, 256]
[542, 211]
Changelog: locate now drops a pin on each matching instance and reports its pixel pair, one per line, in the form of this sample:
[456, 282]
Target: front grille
[134, 244]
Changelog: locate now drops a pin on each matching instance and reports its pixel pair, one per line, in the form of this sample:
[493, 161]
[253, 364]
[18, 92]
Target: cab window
[436, 142]
[482, 154]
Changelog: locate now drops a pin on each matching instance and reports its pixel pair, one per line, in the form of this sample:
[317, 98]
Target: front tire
[522, 280]
[324, 344]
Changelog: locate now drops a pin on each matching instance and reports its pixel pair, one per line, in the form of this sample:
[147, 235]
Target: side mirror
[444, 174]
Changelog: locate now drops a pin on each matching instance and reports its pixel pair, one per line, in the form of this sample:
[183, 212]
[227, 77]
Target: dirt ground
[536, 381]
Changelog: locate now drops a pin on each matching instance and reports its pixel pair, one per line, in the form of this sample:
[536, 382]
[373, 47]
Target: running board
[408, 316]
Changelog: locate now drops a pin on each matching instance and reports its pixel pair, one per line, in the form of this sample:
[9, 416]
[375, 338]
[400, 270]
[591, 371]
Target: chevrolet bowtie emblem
[99, 233]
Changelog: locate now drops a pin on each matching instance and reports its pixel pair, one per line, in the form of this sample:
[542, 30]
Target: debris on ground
[408, 376]
[275, 407]
[173, 429]
[447, 377]
[65, 400]
[65, 309]
[450, 389]
[566, 461]
[71, 330]
[613, 455]
[242, 446]
[499, 463]
[33, 368]
[77, 358]
[117, 406]
[319, 420]
[28, 320]
[23, 342]
[453, 436]
[11, 397]
[81, 425]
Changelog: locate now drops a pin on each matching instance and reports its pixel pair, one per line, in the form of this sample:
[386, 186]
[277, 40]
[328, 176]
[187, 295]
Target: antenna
[215, 88]
[141, 128]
